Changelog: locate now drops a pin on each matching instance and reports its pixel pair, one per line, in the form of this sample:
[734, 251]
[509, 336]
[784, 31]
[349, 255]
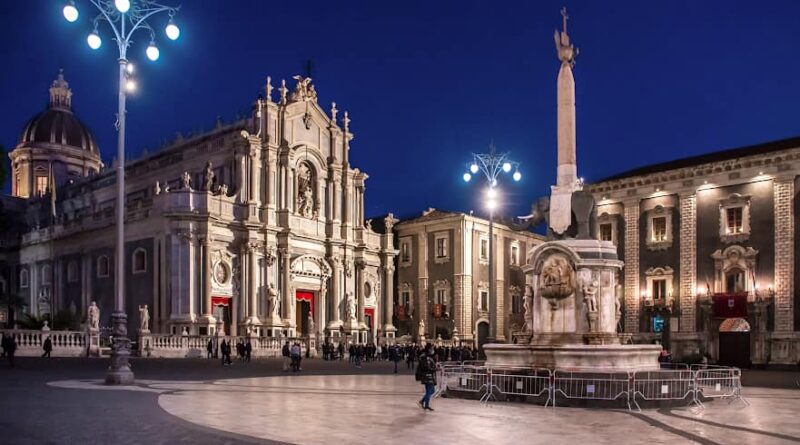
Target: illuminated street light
[124, 22]
[492, 164]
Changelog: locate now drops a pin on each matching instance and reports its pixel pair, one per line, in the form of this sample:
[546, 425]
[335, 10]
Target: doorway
[483, 335]
[734, 343]
[222, 312]
[304, 305]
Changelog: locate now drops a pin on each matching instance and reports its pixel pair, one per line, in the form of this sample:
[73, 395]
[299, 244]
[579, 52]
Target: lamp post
[492, 164]
[124, 18]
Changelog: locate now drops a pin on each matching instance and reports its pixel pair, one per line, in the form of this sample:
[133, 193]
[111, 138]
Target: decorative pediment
[310, 266]
[656, 271]
[441, 284]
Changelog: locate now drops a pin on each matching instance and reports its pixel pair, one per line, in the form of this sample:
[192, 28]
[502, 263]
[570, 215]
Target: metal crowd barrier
[677, 384]
[666, 384]
[592, 385]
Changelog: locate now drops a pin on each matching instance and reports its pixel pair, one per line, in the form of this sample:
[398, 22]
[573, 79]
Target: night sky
[429, 82]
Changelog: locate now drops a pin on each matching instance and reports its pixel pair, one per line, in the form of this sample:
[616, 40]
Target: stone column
[252, 280]
[360, 280]
[286, 287]
[254, 161]
[336, 320]
[388, 302]
[632, 266]
[240, 162]
[207, 275]
[688, 261]
[784, 254]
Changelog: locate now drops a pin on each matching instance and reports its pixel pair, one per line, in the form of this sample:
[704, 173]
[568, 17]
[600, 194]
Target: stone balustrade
[65, 343]
[181, 346]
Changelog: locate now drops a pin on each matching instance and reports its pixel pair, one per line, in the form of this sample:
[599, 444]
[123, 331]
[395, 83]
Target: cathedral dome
[57, 124]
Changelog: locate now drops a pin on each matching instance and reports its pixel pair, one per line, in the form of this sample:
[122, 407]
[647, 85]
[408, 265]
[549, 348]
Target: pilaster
[632, 266]
[688, 261]
[784, 254]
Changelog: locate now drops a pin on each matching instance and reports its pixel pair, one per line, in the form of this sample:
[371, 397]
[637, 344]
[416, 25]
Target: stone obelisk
[567, 179]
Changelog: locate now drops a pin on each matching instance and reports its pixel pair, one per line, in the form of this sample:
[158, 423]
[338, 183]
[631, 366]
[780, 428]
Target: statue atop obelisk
[567, 179]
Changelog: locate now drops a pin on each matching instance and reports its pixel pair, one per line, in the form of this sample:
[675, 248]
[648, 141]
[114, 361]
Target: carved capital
[269, 255]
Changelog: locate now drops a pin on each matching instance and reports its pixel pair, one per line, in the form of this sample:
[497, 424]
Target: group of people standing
[292, 357]
[243, 351]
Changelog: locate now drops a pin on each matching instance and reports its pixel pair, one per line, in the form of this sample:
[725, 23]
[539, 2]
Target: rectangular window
[441, 296]
[41, 185]
[514, 255]
[659, 289]
[405, 298]
[734, 215]
[484, 249]
[405, 252]
[606, 233]
[441, 247]
[660, 228]
[483, 300]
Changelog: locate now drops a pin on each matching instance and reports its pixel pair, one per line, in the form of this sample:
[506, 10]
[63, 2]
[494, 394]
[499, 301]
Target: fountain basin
[613, 357]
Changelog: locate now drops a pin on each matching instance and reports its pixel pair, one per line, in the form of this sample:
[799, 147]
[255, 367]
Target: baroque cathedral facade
[254, 227]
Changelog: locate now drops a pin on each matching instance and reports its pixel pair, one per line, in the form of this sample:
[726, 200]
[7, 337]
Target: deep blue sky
[428, 82]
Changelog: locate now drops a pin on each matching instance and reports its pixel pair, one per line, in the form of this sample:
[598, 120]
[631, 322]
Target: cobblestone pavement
[199, 401]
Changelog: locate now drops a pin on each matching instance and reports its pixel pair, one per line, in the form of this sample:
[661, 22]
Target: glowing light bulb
[130, 86]
[152, 52]
[506, 167]
[172, 30]
[473, 168]
[467, 177]
[130, 68]
[70, 11]
[94, 40]
[517, 175]
[122, 5]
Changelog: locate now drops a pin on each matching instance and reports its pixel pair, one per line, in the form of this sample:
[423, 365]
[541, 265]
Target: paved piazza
[369, 409]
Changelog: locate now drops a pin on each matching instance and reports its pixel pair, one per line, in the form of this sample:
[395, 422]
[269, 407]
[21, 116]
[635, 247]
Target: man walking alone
[426, 374]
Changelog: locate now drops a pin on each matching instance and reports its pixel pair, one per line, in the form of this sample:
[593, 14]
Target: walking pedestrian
[248, 349]
[210, 349]
[9, 348]
[426, 374]
[48, 346]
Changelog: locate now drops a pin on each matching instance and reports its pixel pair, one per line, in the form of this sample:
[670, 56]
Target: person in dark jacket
[210, 349]
[426, 374]
[248, 350]
[285, 353]
[48, 347]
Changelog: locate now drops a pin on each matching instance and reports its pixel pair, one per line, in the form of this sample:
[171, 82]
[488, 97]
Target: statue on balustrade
[273, 301]
[144, 319]
[93, 317]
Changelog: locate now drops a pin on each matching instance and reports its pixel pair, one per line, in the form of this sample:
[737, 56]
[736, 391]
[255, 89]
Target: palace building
[443, 277]
[709, 250]
[254, 227]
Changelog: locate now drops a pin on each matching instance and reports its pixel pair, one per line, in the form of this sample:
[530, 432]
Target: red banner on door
[400, 310]
[437, 311]
[306, 296]
[730, 305]
[369, 311]
[220, 301]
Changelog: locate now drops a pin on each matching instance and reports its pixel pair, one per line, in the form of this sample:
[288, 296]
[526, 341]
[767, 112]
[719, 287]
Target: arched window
[46, 274]
[139, 261]
[23, 278]
[102, 266]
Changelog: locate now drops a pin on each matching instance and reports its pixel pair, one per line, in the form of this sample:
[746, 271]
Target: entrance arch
[734, 342]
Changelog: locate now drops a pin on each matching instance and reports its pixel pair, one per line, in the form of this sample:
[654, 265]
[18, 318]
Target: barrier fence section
[584, 385]
[716, 382]
[678, 383]
[665, 384]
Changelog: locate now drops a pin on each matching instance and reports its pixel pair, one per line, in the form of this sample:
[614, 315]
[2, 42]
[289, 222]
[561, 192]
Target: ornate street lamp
[492, 164]
[124, 18]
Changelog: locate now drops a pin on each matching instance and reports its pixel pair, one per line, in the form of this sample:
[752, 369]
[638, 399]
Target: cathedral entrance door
[483, 335]
[734, 343]
[222, 312]
[304, 305]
